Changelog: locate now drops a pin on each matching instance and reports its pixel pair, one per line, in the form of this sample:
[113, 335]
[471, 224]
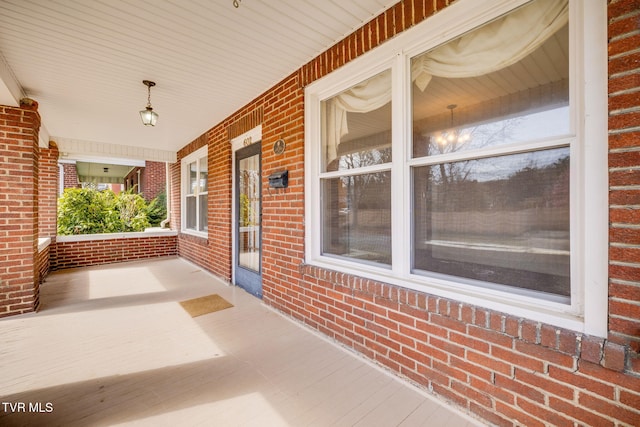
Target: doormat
[204, 305]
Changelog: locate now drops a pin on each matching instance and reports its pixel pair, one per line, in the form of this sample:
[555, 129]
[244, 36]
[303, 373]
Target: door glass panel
[249, 213]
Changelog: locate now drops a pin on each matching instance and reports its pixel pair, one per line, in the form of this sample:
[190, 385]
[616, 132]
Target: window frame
[357, 171]
[588, 150]
[196, 158]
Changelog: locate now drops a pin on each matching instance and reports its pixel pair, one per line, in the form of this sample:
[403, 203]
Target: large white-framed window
[458, 159]
[195, 190]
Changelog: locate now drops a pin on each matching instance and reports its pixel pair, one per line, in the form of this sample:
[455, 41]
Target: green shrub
[88, 211]
[132, 210]
[157, 210]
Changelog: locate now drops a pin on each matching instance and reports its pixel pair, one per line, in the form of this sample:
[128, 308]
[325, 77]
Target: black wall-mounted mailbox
[279, 179]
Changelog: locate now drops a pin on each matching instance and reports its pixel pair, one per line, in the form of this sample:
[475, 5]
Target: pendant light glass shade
[149, 117]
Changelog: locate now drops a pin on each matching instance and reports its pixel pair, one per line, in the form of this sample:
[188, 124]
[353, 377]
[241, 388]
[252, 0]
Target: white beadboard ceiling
[83, 61]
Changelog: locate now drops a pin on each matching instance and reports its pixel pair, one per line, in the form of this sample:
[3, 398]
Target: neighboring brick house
[511, 355]
[149, 180]
[70, 174]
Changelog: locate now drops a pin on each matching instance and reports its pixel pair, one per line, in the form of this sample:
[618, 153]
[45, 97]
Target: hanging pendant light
[148, 116]
[453, 135]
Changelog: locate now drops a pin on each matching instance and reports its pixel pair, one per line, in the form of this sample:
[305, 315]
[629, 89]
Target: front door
[248, 256]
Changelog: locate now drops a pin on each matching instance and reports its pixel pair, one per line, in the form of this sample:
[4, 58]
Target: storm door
[248, 257]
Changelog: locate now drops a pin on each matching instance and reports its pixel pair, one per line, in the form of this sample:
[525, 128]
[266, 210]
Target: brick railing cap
[154, 232]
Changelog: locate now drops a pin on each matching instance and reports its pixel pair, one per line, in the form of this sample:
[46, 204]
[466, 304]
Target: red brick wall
[48, 191]
[283, 210]
[507, 370]
[105, 251]
[214, 252]
[70, 176]
[48, 178]
[19, 281]
[43, 263]
[153, 180]
[624, 176]
[196, 249]
[497, 366]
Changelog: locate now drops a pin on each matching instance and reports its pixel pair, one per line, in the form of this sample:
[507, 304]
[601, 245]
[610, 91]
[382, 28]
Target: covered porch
[111, 345]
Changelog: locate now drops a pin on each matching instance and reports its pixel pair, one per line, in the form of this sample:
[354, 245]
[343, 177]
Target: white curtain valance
[362, 98]
[495, 46]
[489, 48]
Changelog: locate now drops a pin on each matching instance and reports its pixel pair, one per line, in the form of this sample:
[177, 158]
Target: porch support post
[48, 186]
[19, 281]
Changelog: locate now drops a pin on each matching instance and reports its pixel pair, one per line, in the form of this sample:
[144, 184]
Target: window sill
[200, 234]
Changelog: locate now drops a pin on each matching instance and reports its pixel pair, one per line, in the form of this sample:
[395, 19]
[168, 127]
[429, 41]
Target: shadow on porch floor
[111, 345]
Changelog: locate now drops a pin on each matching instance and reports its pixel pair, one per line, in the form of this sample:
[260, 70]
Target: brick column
[48, 178]
[19, 282]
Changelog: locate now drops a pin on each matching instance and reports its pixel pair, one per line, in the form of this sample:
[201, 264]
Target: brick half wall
[43, 258]
[87, 250]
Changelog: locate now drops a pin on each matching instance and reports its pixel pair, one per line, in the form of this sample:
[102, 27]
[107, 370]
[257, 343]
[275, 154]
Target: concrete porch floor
[111, 345]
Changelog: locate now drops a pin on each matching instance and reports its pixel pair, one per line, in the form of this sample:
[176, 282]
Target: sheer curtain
[492, 47]
[362, 98]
